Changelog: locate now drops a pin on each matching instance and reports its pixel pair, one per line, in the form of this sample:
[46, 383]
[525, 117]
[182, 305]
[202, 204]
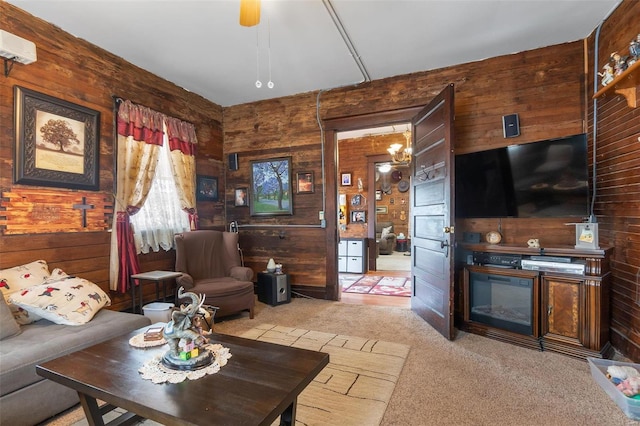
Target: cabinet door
[342, 248]
[355, 248]
[562, 316]
[342, 264]
[354, 265]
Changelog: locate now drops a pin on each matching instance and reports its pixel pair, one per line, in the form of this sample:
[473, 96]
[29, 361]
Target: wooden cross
[84, 207]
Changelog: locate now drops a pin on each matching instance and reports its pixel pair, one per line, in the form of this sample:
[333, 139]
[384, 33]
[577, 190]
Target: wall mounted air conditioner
[17, 48]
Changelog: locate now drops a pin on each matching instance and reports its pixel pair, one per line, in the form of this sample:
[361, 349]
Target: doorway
[375, 189]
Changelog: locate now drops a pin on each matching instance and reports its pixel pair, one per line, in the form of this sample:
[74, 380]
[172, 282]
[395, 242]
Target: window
[161, 217]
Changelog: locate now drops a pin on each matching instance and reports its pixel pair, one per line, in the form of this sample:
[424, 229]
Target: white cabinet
[352, 255]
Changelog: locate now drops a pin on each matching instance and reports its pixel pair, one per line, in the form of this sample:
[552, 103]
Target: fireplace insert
[501, 301]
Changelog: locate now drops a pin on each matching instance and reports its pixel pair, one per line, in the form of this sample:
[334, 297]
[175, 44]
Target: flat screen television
[540, 179]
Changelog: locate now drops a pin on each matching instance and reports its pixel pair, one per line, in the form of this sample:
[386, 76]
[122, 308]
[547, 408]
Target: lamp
[249, 13]
[399, 155]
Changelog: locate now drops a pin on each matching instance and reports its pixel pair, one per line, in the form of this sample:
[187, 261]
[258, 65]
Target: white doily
[138, 341]
[156, 372]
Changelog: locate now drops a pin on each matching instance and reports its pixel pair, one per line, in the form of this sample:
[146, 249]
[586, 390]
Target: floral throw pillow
[69, 300]
[18, 278]
[385, 232]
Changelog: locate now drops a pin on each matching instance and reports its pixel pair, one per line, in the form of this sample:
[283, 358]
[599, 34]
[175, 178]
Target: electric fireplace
[501, 301]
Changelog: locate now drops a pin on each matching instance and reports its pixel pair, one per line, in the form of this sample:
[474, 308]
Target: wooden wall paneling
[618, 188]
[36, 211]
[72, 69]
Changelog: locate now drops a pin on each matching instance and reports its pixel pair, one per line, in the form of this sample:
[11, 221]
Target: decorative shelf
[626, 84]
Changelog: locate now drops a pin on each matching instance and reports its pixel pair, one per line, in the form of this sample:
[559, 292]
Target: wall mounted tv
[539, 179]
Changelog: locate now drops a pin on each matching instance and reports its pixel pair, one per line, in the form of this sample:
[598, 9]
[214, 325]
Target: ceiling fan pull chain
[270, 83]
[258, 82]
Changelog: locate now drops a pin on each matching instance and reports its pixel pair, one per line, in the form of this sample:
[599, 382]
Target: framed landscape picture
[56, 142]
[206, 188]
[345, 179]
[271, 187]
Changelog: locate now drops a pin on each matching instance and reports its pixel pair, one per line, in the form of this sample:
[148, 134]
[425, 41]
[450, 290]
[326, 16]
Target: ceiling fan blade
[249, 13]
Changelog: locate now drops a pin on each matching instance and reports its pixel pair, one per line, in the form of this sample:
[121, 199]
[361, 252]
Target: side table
[401, 245]
[154, 276]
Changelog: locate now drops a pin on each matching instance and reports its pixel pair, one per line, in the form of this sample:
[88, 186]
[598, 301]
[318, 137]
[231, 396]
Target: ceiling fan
[249, 13]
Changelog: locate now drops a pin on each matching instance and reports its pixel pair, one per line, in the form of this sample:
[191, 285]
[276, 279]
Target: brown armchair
[210, 265]
[387, 242]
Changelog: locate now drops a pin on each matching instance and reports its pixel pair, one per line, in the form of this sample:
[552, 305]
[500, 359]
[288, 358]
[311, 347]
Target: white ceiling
[199, 45]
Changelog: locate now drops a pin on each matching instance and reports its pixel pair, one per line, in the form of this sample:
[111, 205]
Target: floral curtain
[139, 138]
[182, 144]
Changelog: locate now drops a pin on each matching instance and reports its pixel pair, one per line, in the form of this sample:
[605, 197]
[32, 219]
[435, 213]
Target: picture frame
[305, 182]
[56, 142]
[271, 187]
[241, 197]
[358, 216]
[345, 179]
[378, 195]
[206, 188]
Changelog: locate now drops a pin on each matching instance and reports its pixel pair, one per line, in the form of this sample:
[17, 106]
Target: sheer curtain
[155, 227]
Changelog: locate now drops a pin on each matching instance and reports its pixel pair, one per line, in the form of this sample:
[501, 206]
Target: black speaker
[233, 161]
[273, 289]
[510, 126]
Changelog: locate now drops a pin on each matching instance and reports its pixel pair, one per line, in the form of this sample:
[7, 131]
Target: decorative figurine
[634, 51]
[619, 63]
[186, 340]
[607, 75]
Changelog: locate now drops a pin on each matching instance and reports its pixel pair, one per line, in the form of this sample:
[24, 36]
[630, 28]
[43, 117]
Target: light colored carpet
[472, 380]
[396, 261]
[356, 386]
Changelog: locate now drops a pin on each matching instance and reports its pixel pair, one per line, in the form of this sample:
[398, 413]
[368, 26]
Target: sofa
[385, 237]
[25, 397]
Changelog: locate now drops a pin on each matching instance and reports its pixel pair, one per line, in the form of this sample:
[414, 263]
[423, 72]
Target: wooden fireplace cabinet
[570, 312]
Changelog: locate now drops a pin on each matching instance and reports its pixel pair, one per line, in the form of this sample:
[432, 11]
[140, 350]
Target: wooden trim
[332, 127]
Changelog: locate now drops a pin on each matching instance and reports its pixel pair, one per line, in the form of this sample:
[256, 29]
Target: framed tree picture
[206, 188]
[56, 142]
[271, 187]
[345, 179]
[305, 182]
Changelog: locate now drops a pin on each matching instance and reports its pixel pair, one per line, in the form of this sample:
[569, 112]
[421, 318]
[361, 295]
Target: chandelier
[400, 155]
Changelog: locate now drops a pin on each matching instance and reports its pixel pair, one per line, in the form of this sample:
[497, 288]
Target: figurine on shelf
[634, 51]
[619, 63]
[607, 75]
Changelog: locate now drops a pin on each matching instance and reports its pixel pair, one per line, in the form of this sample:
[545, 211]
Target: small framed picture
[345, 179]
[305, 182]
[241, 197]
[382, 210]
[358, 216]
[378, 195]
[206, 188]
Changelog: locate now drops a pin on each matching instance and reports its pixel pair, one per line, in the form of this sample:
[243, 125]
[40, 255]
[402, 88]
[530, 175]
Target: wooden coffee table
[260, 382]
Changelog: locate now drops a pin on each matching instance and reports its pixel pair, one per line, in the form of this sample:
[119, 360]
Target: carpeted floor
[396, 261]
[472, 380]
[376, 284]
